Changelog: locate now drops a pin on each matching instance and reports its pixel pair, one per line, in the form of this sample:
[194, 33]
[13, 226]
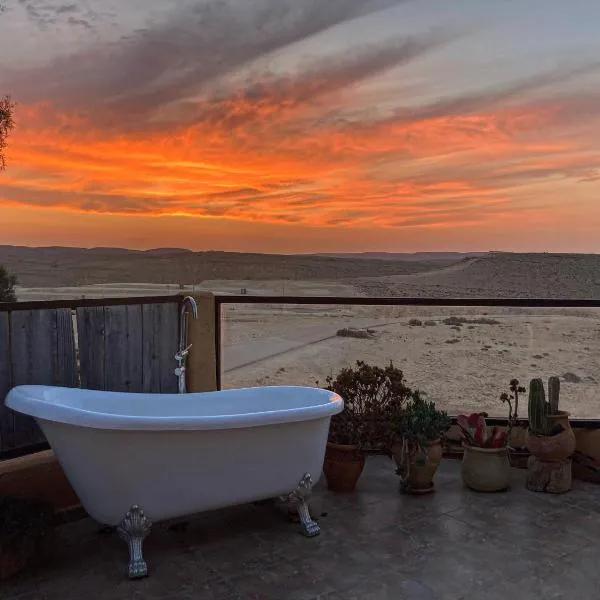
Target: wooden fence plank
[90, 331]
[169, 342]
[121, 347]
[30, 332]
[35, 360]
[115, 344]
[65, 369]
[123, 371]
[6, 415]
[150, 345]
[134, 347]
[159, 344]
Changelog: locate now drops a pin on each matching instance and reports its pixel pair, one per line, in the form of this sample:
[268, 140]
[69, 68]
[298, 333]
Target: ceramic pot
[422, 467]
[343, 466]
[485, 469]
[553, 448]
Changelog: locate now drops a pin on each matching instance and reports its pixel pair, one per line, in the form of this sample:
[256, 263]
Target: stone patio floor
[376, 544]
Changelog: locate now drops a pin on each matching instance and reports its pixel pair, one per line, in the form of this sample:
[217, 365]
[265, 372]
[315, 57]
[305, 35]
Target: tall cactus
[539, 409]
[553, 394]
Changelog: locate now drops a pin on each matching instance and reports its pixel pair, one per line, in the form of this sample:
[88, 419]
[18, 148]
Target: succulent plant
[540, 410]
[419, 422]
[475, 431]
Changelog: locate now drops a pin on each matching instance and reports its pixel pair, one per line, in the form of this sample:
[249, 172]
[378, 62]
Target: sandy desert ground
[463, 367]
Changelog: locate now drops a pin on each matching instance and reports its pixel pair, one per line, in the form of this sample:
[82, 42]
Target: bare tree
[7, 123]
[7, 286]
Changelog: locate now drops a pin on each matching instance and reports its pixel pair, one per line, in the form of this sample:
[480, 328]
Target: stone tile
[575, 577]
[458, 557]
[389, 587]
[375, 544]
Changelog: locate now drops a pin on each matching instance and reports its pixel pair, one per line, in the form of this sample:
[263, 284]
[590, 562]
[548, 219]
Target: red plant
[475, 431]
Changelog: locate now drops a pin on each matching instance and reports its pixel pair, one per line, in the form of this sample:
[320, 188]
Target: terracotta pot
[343, 466]
[553, 448]
[485, 469]
[421, 468]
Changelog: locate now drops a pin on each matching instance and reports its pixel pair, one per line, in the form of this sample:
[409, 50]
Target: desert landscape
[463, 358]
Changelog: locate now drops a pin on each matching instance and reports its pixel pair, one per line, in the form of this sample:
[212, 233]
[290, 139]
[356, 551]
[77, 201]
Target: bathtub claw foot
[133, 528]
[299, 498]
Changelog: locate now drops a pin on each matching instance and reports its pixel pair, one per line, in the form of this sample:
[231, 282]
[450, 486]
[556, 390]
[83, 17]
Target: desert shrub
[371, 395]
[455, 321]
[354, 333]
[7, 286]
[415, 323]
[460, 321]
[484, 321]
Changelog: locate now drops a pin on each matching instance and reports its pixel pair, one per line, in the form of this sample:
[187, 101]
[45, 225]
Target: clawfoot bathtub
[137, 458]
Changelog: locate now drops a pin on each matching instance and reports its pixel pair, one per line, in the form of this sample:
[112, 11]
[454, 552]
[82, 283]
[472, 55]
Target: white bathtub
[173, 455]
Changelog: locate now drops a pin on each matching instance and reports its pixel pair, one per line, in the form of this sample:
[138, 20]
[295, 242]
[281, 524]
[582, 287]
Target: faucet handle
[179, 355]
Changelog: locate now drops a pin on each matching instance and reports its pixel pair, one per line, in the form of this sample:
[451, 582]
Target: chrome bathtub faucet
[184, 347]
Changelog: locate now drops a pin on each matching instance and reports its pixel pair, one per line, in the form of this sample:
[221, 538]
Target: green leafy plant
[371, 395]
[419, 422]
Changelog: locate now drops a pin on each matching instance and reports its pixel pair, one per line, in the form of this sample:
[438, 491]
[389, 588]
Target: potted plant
[518, 453]
[549, 438]
[369, 394]
[24, 525]
[417, 451]
[485, 465]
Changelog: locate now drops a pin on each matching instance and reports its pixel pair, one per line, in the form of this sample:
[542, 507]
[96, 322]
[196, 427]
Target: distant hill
[498, 275]
[409, 256]
[56, 266]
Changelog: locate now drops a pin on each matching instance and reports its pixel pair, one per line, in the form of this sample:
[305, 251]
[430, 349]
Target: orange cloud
[297, 149]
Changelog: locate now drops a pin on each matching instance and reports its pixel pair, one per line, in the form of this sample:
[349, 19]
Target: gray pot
[486, 469]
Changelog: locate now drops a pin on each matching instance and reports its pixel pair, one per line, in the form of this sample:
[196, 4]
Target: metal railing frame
[221, 300]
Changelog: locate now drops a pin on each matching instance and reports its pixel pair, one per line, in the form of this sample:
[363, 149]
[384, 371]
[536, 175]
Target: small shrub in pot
[370, 395]
[417, 449]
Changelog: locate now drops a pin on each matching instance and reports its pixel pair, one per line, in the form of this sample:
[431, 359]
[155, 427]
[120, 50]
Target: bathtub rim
[28, 400]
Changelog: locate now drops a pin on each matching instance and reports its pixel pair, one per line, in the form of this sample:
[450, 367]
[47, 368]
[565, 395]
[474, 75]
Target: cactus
[553, 394]
[539, 409]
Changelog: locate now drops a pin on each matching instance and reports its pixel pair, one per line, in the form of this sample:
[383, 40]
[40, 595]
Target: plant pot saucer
[416, 491]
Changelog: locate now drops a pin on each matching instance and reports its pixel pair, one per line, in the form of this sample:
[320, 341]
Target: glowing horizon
[258, 126]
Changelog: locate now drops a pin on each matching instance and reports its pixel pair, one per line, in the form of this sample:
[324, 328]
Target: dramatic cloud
[221, 111]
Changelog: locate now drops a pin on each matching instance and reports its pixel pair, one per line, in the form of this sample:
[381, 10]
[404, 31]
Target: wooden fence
[104, 345]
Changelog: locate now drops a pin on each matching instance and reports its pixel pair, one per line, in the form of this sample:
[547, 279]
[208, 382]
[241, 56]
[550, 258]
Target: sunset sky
[303, 125]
